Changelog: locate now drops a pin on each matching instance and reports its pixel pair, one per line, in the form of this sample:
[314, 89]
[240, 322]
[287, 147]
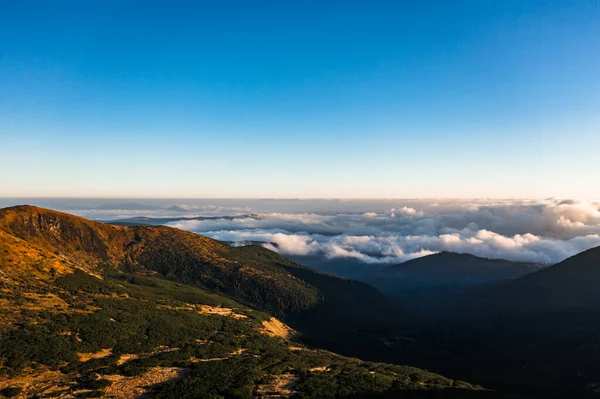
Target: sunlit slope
[322, 306]
[177, 254]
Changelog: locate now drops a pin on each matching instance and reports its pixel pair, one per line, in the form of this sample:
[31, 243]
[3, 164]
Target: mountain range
[427, 275]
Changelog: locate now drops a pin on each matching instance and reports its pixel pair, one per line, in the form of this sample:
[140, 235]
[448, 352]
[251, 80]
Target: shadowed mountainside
[454, 268]
[570, 285]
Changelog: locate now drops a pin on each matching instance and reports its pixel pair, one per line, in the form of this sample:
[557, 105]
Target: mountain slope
[130, 335]
[572, 282]
[185, 256]
[320, 305]
[569, 285]
[537, 334]
[251, 274]
[87, 312]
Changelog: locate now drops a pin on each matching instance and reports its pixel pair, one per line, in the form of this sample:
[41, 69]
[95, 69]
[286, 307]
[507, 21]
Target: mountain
[144, 220]
[571, 285]
[176, 208]
[572, 282]
[252, 274]
[127, 206]
[445, 268]
[440, 271]
[90, 309]
[537, 334]
[422, 284]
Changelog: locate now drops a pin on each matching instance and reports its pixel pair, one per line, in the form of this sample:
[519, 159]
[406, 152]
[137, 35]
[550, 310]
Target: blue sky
[300, 99]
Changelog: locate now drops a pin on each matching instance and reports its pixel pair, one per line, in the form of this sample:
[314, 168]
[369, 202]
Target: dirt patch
[126, 357]
[134, 387]
[275, 328]
[39, 302]
[212, 359]
[132, 356]
[37, 382]
[277, 386]
[319, 369]
[84, 357]
[205, 309]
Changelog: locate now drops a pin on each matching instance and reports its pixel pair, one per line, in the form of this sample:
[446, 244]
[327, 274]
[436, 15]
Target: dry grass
[207, 309]
[39, 381]
[278, 386]
[213, 359]
[275, 328]
[136, 387]
[84, 357]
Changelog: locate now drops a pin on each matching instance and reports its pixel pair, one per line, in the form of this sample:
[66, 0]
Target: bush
[11, 392]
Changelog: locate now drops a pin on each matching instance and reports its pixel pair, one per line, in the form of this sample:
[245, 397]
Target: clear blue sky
[300, 98]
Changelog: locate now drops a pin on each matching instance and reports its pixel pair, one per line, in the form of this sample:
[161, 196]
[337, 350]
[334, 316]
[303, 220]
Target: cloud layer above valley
[545, 231]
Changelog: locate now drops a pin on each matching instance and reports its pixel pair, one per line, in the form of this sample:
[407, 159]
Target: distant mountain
[569, 285]
[539, 332]
[446, 268]
[127, 206]
[144, 220]
[176, 208]
[414, 278]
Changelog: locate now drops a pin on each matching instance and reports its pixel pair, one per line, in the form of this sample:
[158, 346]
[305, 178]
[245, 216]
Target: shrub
[11, 392]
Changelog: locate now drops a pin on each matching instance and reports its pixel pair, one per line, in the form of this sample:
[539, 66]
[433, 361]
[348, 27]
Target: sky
[300, 99]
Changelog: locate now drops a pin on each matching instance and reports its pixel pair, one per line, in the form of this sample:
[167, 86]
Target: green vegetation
[135, 324]
[156, 319]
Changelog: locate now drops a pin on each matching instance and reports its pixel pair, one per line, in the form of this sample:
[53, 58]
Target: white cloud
[545, 231]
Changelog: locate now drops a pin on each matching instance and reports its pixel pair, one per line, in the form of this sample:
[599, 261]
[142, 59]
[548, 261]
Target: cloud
[545, 231]
[396, 249]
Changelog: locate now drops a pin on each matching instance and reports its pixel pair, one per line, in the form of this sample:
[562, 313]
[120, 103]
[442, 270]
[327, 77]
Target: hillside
[253, 275]
[537, 334]
[572, 282]
[571, 285]
[92, 310]
[321, 305]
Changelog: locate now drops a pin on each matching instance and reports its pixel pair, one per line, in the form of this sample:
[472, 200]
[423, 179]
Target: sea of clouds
[375, 231]
[540, 231]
